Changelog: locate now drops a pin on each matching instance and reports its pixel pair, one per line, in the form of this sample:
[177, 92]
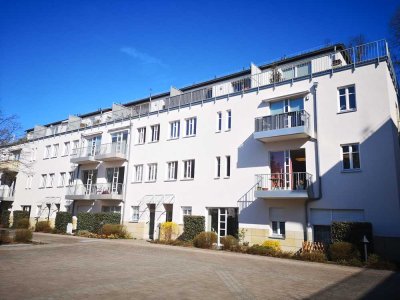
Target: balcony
[11, 166]
[282, 127]
[83, 155]
[6, 193]
[283, 185]
[95, 191]
[111, 152]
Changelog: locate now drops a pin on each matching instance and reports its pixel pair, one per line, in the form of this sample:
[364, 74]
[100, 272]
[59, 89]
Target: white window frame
[172, 171]
[43, 181]
[135, 213]
[75, 147]
[52, 177]
[71, 178]
[28, 185]
[186, 211]
[33, 154]
[219, 122]
[191, 126]
[66, 150]
[228, 166]
[228, 120]
[174, 127]
[347, 97]
[152, 172]
[155, 133]
[189, 166]
[351, 157]
[141, 135]
[217, 167]
[138, 176]
[278, 231]
[61, 179]
[47, 152]
[56, 147]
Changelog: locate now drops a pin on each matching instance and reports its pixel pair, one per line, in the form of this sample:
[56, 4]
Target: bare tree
[395, 40]
[9, 127]
[355, 42]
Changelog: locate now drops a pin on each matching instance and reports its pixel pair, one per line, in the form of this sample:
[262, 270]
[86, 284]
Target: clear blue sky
[69, 57]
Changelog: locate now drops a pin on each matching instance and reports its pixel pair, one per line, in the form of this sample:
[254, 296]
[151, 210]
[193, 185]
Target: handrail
[96, 189]
[283, 120]
[284, 181]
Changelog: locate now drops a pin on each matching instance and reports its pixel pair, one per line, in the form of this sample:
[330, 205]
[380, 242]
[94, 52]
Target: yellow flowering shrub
[275, 245]
[168, 230]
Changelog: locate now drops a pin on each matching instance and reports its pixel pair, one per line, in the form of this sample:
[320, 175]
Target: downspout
[317, 166]
[128, 148]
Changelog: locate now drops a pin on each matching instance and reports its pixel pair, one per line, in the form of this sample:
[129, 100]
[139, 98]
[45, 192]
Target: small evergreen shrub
[192, 226]
[115, 231]
[343, 251]
[261, 250]
[23, 236]
[205, 240]
[168, 230]
[315, 256]
[22, 224]
[43, 226]
[19, 215]
[353, 232]
[5, 218]
[62, 220]
[229, 242]
[275, 245]
[93, 222]
[5, 237]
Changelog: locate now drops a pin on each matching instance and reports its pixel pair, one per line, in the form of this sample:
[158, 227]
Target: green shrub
[261, 250]
[23, 235]
[353, 232]
[229, 242]
[43, 226]
[276, 245]
[18, 215]
[62, 220]
[376, 262]
[343, 251]
[86, 233]
[205, 240]
[5, 237]
[22, 224]
[315, 256]
[5, 218]
[115, 230]
[192, 226]
[93, 222]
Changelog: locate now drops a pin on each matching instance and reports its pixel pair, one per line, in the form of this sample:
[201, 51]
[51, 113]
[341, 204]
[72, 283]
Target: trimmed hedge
[192, 226]
[5, 218]
[353, 232]
[62, 220]
[19, 215]
[93, 222]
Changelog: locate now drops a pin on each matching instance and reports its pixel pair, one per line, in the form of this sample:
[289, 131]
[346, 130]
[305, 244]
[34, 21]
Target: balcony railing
[85, 151]
[6, 192]
[284, 120]
[111, 149]
[284, 181]
[96, 189]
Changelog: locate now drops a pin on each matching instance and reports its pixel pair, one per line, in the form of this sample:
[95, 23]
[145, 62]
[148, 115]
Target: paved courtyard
[79, 268]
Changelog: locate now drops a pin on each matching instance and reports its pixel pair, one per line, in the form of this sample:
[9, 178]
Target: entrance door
[152, 208]
[223, 221]
[115, 179]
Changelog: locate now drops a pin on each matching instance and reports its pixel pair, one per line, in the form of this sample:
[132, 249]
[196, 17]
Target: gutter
[127, 172]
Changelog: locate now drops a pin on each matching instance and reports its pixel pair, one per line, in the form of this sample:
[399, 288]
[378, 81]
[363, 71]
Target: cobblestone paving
[79, 268]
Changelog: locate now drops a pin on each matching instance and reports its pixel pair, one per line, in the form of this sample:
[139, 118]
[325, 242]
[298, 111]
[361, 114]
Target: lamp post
[365, 242]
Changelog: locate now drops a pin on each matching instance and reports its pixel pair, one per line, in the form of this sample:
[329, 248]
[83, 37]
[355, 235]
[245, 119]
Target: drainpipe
[317, 166]
[128, 148]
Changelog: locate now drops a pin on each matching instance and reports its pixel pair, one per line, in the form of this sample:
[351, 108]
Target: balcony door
[89, 180]
[115, 180]
[286, 113]
[93, 145]
[118, 141]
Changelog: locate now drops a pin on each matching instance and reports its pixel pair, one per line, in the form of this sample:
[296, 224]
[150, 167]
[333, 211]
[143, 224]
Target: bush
[62, 220]
[376, 262]
[22, 224]
[229, 242]
[192, 226]
[353, 232]
[276, 245]
[86, 233]
[93, 222]
[43, 226]
[5, 237]
[23, 235]
[18, 215]
[315, 256]
[167, 230]
[343, 251]
[205, 240]
[5, 218]
[115, 230]
[261, 250]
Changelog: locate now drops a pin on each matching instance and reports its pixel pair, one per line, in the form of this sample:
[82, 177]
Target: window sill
[136, 181]
[218, 131]
[346, 111]
[172, 139]
[153, 142]
[64, 155]
[150, 181]
[138, 144]
[277, 237]
[45, 158]
[170, 180]
[227, 177]
[133, 221]
[189, 136]
[227, 130]
[351, 171]
[187, 179]
[216, 178]
[60, 186]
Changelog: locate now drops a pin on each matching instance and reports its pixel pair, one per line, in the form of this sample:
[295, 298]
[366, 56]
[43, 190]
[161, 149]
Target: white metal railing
[284, 120]
[284, 181]
[111, 148]
[6, 192]
[354, 56]
[96, 189]
[88, 151]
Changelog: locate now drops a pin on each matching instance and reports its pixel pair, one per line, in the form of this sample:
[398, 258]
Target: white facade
[194, 151]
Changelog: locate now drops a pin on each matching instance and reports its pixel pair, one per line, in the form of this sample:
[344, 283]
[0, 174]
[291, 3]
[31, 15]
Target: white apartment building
[281, 150]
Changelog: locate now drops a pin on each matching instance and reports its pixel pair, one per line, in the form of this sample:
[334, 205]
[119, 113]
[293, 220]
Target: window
[218, 167]
[43, 181]
[26, 208]
[47, 152]
[66, 148]
[138, 173]
[55, 150]
[155, 133]
[191, 126]
[351, 157]
[347, 99]
[228, 166]
[111, 209]
[75, 147]
[61, 179]
[141, 135]
[71, 178]
[29, 182]
[186, 211]
[152, 174]
[278, 228]
[38, 210]
[172, 170]
[242, 84]
[135, 214]
[174, 129]
[188, 169]
[51, 181]
[33, 154]
[228, 120]
[219, 121]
